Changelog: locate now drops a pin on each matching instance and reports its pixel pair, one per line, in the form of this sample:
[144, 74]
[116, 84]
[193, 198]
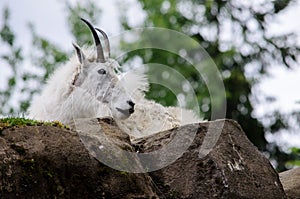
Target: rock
[212, 160]
[51, 162]
[290, 181]
[234, 168]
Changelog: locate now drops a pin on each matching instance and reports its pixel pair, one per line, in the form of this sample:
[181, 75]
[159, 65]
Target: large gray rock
[234, 168]
[50, 162]
[291, 183]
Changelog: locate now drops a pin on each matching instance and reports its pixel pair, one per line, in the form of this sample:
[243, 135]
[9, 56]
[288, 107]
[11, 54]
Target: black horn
[100, 55]
[107, 45]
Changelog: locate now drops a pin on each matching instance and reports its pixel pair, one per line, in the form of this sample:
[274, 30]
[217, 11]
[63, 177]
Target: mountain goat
[90, 86]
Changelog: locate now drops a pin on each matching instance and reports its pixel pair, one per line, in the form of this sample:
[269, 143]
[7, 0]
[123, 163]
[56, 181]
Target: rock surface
[234, 168]
[291, 183]
[50, 162]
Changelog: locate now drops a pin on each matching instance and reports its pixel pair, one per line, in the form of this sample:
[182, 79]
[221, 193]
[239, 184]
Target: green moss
[16, 121]
[123, 173]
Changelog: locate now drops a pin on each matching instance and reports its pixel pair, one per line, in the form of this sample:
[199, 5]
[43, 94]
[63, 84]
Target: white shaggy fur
[77, 90]
[150, 117]
[74, 92]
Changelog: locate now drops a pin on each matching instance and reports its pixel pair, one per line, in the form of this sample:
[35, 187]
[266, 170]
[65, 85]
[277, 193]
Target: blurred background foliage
[234, 33]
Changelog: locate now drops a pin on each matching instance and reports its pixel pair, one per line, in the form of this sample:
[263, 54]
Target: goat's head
[99, 79]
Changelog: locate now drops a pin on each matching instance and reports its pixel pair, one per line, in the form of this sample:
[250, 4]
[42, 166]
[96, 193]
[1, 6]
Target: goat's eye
[101, 71]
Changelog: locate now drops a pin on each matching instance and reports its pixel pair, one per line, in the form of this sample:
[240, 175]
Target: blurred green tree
[234, 33]
[11, 58]
[44, 57]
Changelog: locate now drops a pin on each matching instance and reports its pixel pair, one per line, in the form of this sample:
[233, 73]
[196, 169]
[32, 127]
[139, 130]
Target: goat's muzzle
[127, 112]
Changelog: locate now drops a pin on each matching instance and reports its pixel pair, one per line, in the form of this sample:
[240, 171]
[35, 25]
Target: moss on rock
[9, 122]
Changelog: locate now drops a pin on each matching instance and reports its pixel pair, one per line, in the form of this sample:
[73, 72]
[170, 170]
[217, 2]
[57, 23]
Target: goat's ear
[79, 53]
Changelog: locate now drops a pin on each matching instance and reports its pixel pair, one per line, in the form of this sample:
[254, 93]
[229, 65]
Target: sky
[45, 15]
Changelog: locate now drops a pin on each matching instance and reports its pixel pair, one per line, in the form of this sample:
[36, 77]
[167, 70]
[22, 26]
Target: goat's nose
[131, 103]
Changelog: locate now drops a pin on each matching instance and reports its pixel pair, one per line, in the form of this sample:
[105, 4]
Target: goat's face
[99, 79]
[102, 82]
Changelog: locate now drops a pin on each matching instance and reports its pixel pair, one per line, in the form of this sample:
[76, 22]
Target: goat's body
[61, 101]
[91, 88]
[150, 117]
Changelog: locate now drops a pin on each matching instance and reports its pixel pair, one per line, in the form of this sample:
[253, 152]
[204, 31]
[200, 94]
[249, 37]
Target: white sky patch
[283, 84]
[47, 16]
[286, 21]
[284, 139]
[135, 15]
